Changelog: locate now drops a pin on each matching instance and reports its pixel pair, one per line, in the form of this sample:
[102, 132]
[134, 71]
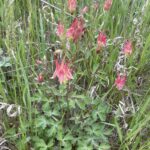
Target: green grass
[57, 116]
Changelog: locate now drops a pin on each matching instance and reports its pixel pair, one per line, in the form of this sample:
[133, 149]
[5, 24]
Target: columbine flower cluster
[76, 29]
[75, 32]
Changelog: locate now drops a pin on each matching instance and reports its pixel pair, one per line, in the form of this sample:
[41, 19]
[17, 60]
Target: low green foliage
[69, 119]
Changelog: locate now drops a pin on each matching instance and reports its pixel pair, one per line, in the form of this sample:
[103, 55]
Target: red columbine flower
[76, 29]
[107, 5]
[40, 78]
[101, 41]
[60, 30]
[120, 81]
[72, 4]
[63, 72]
[127, 47]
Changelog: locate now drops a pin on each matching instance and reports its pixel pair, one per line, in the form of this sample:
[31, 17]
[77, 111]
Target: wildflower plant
[76, 74]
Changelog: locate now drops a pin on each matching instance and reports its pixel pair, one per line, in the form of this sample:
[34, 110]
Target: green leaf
[46, 107]
[83, 145]
[102, 116]
[51, 132]
[40, 143]
[81, 104]
[50, 144]
[41, 122]
[59, 134]
[72, 103]
[5, 62]
[68, 137]
[104, 147]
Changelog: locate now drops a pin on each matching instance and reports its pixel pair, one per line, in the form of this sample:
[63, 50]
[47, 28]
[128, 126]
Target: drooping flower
[70, 33]
[84, 10]
[127, 47]
[76, 29]
[101, 41]
[60, 30]
[62, 71]
[107, 5]
[72, 4]
[40, 78]
[120, 81]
